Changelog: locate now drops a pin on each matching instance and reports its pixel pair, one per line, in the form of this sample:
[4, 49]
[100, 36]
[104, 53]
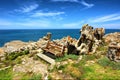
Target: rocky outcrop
[113, 41]
[89, 40]
[30, 66]
[112, 37]
[14, 46]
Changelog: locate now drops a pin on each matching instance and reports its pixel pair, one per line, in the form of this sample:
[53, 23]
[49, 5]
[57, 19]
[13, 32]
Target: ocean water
[35, 34]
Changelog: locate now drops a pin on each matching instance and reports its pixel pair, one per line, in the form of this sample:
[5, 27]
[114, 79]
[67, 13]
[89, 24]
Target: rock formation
[112, 37]
[89, 40]
[114, 51]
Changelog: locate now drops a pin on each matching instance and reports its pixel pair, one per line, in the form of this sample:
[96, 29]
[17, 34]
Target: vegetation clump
[14, 55]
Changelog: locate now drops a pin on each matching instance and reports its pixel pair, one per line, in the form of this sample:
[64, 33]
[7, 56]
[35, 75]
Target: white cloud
[87, 5]
[74, 24]
[26, 9]
[111, 17]
[25, 24]
[47, 14]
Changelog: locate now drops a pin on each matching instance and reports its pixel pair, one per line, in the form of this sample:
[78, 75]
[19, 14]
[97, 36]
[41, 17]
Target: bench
[54, 48]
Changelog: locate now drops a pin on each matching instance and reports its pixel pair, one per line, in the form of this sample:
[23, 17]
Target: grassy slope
[95, 66]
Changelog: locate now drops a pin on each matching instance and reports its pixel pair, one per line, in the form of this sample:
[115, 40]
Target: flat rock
[13, 46]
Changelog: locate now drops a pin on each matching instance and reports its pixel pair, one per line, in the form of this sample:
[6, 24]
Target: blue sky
[59, 14]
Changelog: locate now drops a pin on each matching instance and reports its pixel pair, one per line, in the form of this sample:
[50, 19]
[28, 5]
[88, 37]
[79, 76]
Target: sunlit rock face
[90, 39]
[112, 37]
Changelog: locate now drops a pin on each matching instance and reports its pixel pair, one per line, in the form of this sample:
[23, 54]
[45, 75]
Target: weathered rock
[2, 54]
[112, 37]
[90, 39]
[30, 65]
[99, 33]
[48, 36]
[114, 51]
[14, 46]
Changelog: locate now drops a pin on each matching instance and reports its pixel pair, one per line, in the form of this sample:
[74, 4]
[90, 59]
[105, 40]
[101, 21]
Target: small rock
[79, 59]
[60, 71]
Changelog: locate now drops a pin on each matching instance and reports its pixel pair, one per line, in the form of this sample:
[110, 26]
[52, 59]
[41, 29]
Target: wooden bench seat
[54, 48]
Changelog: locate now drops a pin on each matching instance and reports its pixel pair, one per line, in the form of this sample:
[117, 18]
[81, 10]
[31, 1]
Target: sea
[35, 34]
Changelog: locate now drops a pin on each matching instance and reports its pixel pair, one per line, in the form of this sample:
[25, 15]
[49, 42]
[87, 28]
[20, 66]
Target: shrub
[14, 55]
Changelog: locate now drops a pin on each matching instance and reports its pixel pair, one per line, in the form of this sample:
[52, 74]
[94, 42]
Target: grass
[73, 71]
[9, 62]
[105, 62]
[6, 74]
[36, 77]
[99, 72]
[102, 68]
[65, 57]
[14, 55]
[14, 58]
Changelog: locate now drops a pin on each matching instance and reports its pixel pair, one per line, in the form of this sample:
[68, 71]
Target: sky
[59, 14]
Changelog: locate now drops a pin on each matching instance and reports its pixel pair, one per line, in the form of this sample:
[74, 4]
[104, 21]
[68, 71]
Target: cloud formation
[47, 14]
[29, 8]
[87, 5]
[26, 24]
[111, 17]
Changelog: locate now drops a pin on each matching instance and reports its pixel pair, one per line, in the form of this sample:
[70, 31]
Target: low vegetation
[14, 55]
[65, 57]
[95, 66]
[8, 74]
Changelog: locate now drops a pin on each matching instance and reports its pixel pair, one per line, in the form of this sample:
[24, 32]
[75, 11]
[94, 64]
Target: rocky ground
[68, 67]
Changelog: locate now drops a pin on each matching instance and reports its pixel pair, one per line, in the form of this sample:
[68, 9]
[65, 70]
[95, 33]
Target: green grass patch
[65, 57]
[89, 57]
[105, 62]
[36, 77]
[6, 74]
[9, 62]
[73, 71]
[14, 55]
